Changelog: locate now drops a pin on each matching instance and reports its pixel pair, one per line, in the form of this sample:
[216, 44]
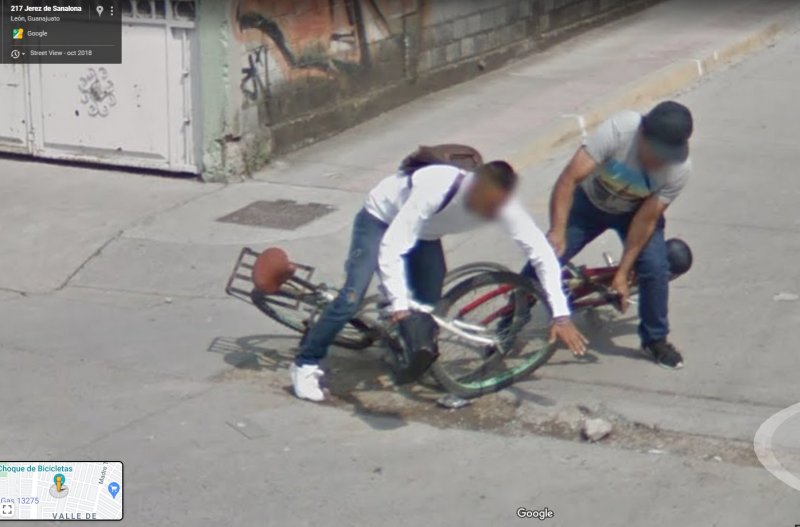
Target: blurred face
[647, 157]
[486, 200]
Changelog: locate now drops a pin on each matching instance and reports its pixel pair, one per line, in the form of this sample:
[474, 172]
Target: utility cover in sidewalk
[280, 214]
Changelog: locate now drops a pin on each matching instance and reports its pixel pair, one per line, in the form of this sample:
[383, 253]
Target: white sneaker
[305, 380]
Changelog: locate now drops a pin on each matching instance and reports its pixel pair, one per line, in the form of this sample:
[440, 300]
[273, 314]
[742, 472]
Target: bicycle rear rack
[240, 283]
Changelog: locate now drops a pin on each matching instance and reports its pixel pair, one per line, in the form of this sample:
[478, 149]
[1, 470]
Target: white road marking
[581, 122]
[762, 443]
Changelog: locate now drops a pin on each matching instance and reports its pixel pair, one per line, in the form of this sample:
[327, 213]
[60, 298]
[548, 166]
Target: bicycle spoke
[503, 307]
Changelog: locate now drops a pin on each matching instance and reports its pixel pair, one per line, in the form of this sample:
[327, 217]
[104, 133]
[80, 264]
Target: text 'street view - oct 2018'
[61, 32]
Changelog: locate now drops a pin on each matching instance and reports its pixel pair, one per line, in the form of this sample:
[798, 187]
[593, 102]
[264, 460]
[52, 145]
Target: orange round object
[271, 270]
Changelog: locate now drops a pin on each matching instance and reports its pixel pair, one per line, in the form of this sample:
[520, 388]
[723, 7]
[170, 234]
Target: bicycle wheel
[506, 306]
[297, 307]
[466, 271]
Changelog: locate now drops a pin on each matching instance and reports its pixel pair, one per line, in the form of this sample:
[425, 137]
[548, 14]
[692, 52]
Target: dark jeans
[426, 269]
[587, 222]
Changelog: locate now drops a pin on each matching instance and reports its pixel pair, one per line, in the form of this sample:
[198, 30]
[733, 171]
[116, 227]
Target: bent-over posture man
[398, 234]
[624, 177]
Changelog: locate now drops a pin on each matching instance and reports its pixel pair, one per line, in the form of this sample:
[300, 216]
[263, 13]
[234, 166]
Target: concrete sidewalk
[118, 342]
[525, 110]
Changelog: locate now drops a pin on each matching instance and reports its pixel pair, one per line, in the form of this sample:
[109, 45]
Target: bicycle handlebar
[466, 332]
[422, 308]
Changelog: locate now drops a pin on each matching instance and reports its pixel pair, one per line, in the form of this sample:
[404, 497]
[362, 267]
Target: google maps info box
[61, 490]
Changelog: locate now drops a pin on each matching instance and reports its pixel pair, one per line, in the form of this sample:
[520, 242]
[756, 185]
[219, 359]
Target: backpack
[459, 156]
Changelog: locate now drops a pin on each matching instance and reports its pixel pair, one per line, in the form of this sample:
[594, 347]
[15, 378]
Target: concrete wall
[234, 135]
[278, 74]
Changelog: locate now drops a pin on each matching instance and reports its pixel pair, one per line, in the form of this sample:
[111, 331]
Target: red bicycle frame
[589, 287]
[585, 287]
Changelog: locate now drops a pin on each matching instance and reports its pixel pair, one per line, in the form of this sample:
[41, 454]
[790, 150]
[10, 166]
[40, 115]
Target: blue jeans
[425, 265]
[587, 222]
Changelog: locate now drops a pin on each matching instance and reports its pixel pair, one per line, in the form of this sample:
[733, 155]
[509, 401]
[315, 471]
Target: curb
[644, 92]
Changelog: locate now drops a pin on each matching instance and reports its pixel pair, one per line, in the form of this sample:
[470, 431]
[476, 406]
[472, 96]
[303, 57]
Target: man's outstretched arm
[579, 168]
[548, 270]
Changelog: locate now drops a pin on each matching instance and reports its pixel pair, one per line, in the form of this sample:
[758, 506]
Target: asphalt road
[141, 359]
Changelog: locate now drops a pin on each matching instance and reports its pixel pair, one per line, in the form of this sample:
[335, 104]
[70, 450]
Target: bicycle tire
[356, 335]
[503, 367]
[466, 271]
[378, 301]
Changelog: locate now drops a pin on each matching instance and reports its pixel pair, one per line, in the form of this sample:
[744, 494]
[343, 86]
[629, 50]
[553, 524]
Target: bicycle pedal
[452, 402]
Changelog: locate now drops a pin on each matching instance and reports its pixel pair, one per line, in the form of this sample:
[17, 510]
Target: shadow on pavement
[361, 383]
[602, 329]
[257, 352]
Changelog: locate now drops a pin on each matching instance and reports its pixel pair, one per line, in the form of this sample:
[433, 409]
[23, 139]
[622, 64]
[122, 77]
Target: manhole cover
[280, 214]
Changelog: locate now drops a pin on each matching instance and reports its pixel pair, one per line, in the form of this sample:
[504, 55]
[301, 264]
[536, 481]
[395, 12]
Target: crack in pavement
[668, 393]
[128, 369]
[153, 294]
[495, 414]
[160, 411]
[86, 262]
[121, 232]
[364, 389]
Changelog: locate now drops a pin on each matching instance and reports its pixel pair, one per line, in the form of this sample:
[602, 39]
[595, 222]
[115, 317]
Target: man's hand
[640, 231]
[621, 286]
[564, 330]
[558, 240]
[397, 316]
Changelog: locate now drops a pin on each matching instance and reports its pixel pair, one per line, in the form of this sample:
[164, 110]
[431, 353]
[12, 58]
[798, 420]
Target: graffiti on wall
[291, 39]
[254, 74]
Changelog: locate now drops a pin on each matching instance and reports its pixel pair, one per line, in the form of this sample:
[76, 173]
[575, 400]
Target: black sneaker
[664, 354]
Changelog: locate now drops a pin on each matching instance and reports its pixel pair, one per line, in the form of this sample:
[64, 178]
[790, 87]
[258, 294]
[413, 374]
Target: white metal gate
[14, 125]
[138, 113]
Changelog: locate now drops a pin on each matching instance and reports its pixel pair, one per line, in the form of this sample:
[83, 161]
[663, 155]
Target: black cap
[668, 128]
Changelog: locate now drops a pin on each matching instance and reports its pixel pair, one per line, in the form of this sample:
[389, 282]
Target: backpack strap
[452, 191]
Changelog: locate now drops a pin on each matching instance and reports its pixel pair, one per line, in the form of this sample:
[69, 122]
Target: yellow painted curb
[644, 92]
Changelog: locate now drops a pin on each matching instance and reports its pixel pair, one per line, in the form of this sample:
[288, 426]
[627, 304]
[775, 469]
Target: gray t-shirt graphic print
[620, 184]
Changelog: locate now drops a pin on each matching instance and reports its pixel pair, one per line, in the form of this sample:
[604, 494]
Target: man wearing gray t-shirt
[624, 177]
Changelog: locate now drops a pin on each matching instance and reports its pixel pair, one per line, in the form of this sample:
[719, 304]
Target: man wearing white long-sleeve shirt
[398, 234]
